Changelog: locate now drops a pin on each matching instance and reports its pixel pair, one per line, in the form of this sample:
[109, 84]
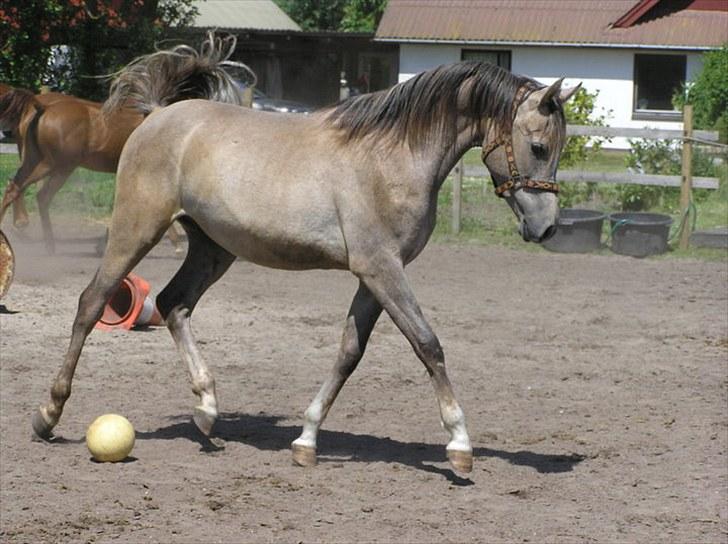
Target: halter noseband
[516, 181]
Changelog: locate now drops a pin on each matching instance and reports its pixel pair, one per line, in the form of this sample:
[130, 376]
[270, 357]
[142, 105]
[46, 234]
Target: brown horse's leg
[176, 239]
[125, 249]
[11, 195]
[29, 172]
[363, 315]
[205, 263]
[388, 282]
[20, 212]
[44, 197]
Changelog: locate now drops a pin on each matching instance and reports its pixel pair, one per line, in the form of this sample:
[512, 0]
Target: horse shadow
[265, 432]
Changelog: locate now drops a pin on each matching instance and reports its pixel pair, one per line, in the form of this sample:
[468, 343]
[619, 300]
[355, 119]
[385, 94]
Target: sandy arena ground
[595, 389]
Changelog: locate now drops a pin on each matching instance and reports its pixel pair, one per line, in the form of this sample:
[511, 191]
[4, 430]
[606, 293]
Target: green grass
[607, 160]
[486, 219]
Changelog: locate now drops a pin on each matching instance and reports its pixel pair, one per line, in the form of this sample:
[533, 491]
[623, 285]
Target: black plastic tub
[639, 234]
[577, 231]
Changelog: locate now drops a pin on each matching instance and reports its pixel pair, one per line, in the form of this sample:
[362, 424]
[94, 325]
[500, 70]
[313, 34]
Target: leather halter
[516, 181]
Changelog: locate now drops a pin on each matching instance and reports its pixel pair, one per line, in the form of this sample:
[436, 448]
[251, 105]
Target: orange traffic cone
[130, 306]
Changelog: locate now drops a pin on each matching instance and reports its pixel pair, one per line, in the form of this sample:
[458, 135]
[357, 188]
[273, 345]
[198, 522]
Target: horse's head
[523, 161]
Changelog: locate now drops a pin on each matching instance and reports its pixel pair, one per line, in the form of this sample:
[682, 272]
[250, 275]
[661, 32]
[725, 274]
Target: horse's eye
[539, 150]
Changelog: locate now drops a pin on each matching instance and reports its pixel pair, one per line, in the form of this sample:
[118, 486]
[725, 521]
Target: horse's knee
[12, 192]
[430, 349]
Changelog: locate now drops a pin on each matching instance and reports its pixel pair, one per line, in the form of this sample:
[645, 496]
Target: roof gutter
[548, 44]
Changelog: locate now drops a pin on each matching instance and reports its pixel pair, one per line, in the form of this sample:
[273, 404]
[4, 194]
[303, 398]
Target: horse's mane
[14, 103]
[410, 109]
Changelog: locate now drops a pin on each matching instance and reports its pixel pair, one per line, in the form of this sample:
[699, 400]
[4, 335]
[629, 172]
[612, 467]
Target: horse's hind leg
[363, 315]
[44, 197]
[176, 238]
[205, 263]
[125, 248]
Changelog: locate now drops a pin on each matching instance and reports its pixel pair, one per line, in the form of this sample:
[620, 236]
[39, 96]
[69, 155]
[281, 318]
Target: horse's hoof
[21, 224]
[303, 456]
[461, 461]
[41, 427]
[204, 420]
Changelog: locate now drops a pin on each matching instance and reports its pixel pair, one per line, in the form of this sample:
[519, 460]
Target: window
[499, 58]
[656, 79]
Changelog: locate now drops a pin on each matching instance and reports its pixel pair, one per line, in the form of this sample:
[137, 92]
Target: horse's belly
[277, 240]
[288, 253]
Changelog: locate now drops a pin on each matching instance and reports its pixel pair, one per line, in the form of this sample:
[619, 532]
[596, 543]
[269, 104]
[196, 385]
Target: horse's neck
[443, 152]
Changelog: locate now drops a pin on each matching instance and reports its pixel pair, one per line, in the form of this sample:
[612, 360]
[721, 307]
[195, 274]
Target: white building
[635, 53]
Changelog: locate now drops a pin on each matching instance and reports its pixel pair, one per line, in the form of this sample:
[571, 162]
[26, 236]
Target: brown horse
[57, 133]
[353, 187]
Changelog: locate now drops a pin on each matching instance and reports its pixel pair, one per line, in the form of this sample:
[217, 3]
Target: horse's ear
[546, 104]
[567, 93]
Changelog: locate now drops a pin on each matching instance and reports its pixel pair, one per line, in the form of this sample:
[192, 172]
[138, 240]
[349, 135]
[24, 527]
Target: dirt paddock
[595, 390]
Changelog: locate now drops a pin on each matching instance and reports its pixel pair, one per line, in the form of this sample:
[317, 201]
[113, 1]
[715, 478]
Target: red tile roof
[569, 22]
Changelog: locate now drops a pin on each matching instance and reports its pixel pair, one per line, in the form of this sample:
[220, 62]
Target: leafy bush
[665, 158]
[580, 111]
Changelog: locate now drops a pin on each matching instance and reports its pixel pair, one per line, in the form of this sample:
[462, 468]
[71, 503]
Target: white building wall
[609, 71]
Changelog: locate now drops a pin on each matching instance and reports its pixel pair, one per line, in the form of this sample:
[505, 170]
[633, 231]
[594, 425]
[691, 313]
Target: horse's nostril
[548, 233]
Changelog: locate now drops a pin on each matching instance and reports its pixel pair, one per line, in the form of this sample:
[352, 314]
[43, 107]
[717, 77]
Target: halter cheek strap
[516, 181]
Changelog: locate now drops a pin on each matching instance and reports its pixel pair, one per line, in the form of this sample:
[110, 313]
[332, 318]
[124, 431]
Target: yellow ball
[110, 438]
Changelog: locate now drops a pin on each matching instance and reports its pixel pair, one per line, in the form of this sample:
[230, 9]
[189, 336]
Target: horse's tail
[181, 73]
[13, 105]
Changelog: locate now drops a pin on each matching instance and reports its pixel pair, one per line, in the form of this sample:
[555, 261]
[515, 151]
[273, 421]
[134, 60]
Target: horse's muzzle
[528, 234]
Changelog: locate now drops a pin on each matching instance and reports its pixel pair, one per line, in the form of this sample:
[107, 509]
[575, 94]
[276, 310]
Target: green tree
[362, 15]
[335, 15]
[25, 34]
[708, 93]
[100, 37]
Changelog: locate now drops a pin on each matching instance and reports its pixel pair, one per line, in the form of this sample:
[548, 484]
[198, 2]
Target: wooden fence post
[687, 176]
[457, 197]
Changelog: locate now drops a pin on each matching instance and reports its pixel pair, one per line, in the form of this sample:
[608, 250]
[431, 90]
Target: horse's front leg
[13, 195]
[20, 212]
[363, 315]
[386, 279]
[30, 171]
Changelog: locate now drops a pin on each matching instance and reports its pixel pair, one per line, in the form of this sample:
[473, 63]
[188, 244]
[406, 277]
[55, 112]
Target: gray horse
[351, 187]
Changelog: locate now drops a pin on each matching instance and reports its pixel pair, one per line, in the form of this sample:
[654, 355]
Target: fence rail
[646, 133]
[479, 171]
